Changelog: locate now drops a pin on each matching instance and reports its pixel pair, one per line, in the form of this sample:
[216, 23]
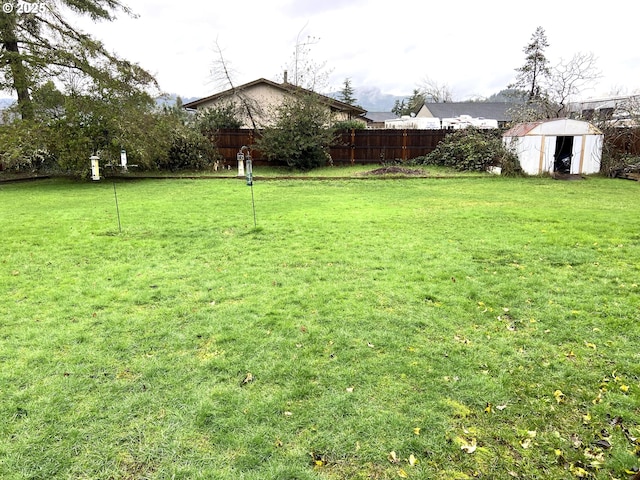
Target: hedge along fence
[351, 147]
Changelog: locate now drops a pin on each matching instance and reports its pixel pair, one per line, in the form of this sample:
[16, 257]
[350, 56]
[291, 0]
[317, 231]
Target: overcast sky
[471, 46]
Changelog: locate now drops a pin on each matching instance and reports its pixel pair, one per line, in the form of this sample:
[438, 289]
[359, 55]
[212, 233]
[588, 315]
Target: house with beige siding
[258, 101]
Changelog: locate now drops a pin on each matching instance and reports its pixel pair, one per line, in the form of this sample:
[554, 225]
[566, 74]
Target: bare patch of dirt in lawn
[395, 170]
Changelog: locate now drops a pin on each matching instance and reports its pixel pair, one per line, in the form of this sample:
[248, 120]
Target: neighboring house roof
[617, 101]
[285, 88]
[380, 116]
[494, 110]
[558, 126]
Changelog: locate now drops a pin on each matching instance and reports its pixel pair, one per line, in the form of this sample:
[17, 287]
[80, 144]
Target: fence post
[404, 145]
[353, 146]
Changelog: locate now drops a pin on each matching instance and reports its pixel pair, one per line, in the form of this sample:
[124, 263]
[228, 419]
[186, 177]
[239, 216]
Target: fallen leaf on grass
[602, 443]
[575, 440]
[559, 396]
[318, 460]
[596, 465]
[403, 474]
[578, 471]
[526, 443]
[470, 447]
[247, 379]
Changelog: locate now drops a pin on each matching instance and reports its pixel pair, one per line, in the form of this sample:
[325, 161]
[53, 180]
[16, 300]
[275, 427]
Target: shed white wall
[536, 153]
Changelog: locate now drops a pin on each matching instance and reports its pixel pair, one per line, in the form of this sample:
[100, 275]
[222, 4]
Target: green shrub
[348, 125]
[300, 136]
[474, 150]
[210, 120]
[188, 150]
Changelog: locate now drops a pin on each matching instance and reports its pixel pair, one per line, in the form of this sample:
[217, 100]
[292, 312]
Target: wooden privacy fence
[375, 146]
[355, 146]
[624, 140]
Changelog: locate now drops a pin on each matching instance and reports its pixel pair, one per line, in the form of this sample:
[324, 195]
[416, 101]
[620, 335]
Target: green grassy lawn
[340, 171]
[421, 328]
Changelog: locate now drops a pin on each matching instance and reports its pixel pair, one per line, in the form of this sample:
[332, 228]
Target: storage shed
[562, 146]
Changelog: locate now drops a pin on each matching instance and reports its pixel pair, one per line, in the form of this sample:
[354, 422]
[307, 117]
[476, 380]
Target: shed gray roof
[494, 110]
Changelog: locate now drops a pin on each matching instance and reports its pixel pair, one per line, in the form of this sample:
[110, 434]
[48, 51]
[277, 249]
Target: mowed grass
[418, 328]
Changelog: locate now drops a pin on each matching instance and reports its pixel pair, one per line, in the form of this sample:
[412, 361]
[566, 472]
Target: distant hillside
[170, 99]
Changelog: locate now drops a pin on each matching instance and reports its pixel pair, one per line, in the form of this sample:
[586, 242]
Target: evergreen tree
[411, 105]
[346, 94]
[399, 108]
[415, 102]
[41, 44]
[535, 70]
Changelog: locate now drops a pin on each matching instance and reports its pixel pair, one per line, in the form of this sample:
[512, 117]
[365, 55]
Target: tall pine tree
[346, 94]
[532, 74]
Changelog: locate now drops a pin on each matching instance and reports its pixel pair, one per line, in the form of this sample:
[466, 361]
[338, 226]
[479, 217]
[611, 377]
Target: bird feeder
[246, 157]
[249, 170]
[240, 158]
[95, 167]
[123, 160]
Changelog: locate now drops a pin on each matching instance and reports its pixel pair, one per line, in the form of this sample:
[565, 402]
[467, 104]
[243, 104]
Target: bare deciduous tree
[568, 79]
[435, 92]
[307, 73]
[222, 76]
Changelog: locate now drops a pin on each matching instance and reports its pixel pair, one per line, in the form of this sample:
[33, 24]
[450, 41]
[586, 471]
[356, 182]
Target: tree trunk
[20, 79]
[10, 56]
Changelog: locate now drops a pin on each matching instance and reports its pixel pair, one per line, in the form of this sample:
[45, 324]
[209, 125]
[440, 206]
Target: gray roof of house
[492, 110]
[380, 116]
[287, 87]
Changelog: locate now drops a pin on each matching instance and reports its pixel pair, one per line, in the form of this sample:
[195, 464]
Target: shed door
[563, 154]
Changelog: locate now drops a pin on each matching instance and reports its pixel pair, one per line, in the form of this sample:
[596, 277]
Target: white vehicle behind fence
[464, 121]
[432, 123]
[414, 123]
